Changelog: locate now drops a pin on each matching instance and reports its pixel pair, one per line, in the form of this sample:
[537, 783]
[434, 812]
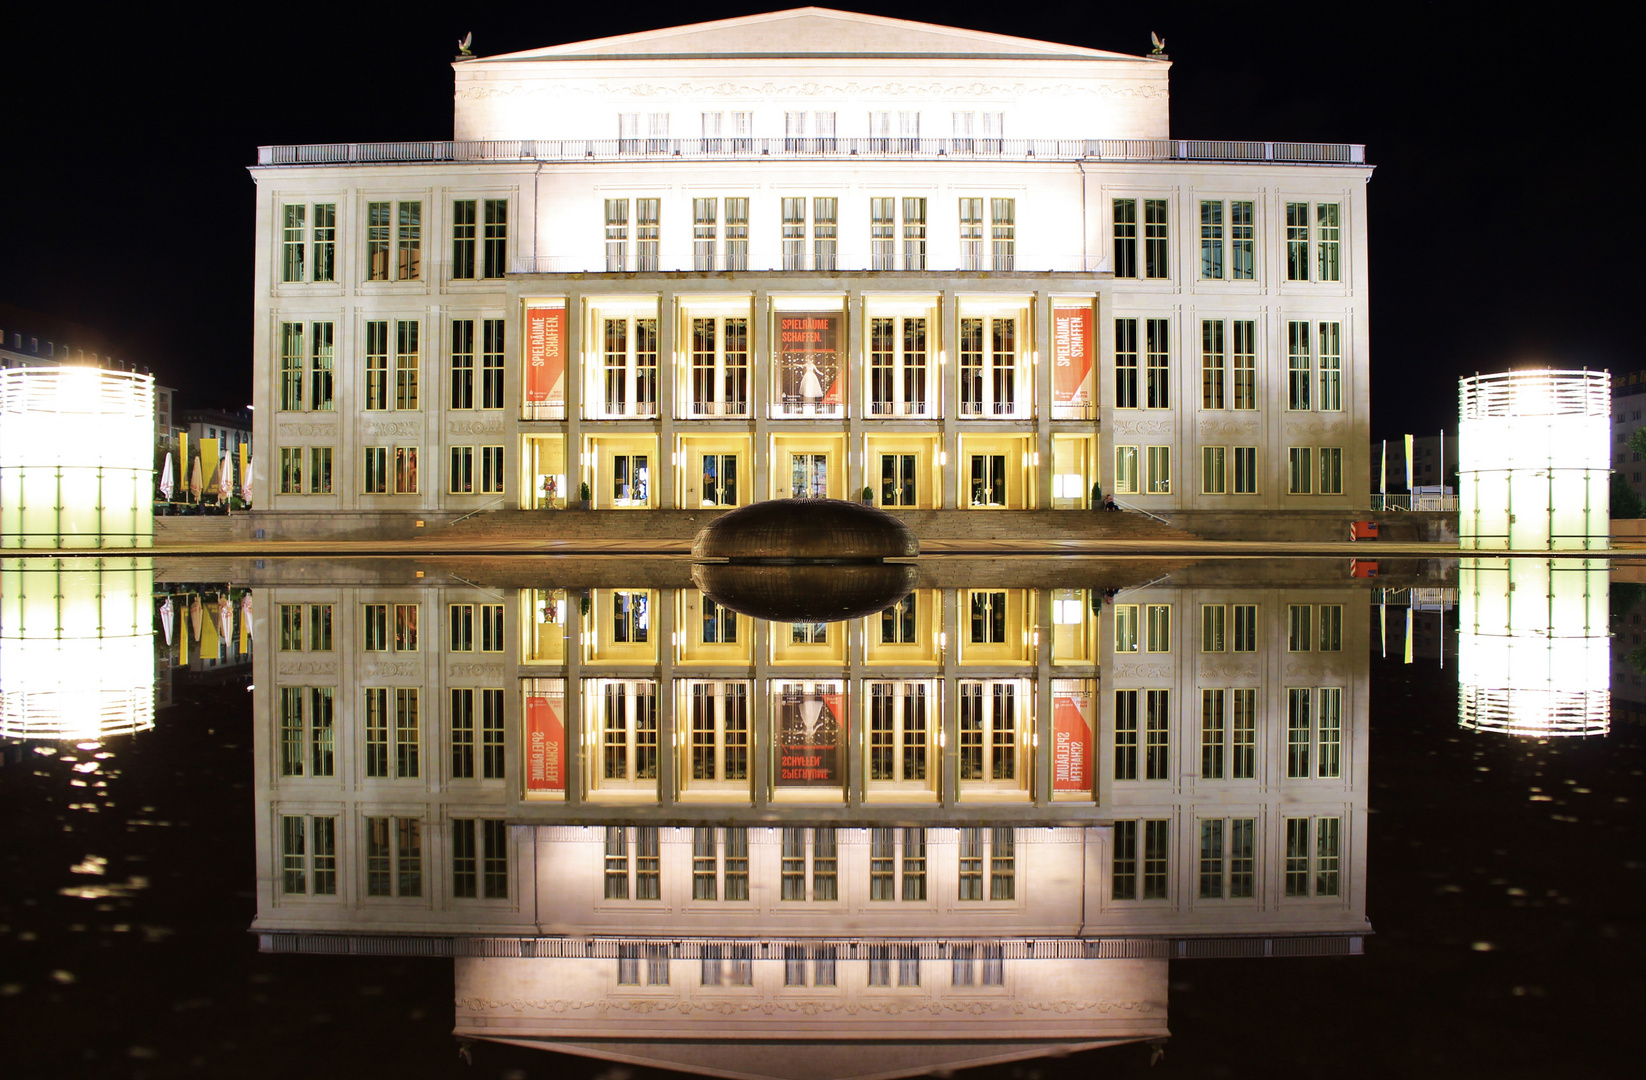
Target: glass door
[989, 480]
[719, 480]
[810, 474]
[631, 480]
[897, 480]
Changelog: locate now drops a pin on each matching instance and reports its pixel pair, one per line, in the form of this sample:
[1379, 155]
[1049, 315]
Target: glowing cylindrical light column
[76, 458]
[1534, 648]
[76, 647]
[1534, 460]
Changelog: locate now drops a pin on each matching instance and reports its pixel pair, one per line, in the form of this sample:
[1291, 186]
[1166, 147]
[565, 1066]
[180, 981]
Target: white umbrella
[165, 605]
[165, 478]
[245, 480]
[225, 485]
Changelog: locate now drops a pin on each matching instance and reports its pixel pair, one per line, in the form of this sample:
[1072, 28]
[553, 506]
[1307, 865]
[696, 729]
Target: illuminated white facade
[811, 252]
[1534, 460]
[76, 647]
[76, 458]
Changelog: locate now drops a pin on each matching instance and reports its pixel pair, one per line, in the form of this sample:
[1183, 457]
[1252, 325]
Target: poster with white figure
[808, 361]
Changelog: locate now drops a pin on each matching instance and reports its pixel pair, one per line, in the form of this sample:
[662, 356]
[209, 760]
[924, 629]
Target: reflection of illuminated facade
[76, 647]
[1534, 646]
[838, 252]
[779, 844]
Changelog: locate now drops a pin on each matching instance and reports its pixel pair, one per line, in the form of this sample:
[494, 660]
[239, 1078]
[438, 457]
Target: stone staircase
[675, 525]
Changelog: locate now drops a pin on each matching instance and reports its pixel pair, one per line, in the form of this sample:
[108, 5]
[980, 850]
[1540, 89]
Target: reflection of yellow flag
[1408, 635]
[1383, 626]
[180, 644]
[208, 463]
[183, 465]
[209, 647]
[245, 472]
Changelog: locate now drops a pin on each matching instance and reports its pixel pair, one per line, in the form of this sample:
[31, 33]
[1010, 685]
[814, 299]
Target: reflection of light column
[76, 458]
[1534, 460]
[76, 647]
[1534, 652]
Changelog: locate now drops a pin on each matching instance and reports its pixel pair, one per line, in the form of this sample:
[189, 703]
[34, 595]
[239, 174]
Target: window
[374, 619]
[705, 229]
[480, 859]
[988, 618]
[718, 713]
[1155, 264]
[291, 470]
[1322, 877]
[646, 234]
[1243, 736]
[629, 348]
[1134, 878]
[1002, 864]
[409, 242]
[1211, 364]
[1297, 241]
[1003, 213]
[463, 732]
[1329, 242]
[1298, 364]
[625, 725]
[1126, 476]
[1156, 734]
[733, 871]
[377, 366]
[1331, 470]
[320, 470]
[461, 475]
[1299, 619]
[898, 623]
[406, 363]
[1329, 732]
[376, 460]
[1125, 363]
[737, 229]
[394, 857]
[822, 960]
[291, 627]
[491, 470]
[1157, 383]
[989, 733]
[898, 366]
[378, 215]
[728, 965]
[899, 734]
[971, 234]
[882, 233]
[398, 234]
[881, 965]
[825, 866]
[322, 344]
[1212, 625]
[720, 366]
[296, 242]
[308, 856]
[719, 623]
[617, 235]
[1125, 734]
[1125, 238]
[1242, 241]
[1330, 345]
[291, 366]
[1212, 732]
[1227, 862]
[462, 364]
[1245, 470]
[988, 367]
[1211, 240]
[637, 857]
[1125, 628]
[496, 237]
[1331, 627]
[1214, 470]
[463, 238]
[631, 622]
[914, 233]
[405, 627]
[617, 864]
[1157, 619]
[1159, 478]
[1245, 364]
[1299, 474]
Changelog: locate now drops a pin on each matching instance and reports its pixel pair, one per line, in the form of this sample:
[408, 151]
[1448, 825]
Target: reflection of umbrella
[196, 481]
[245, 475]
[225, 485]
[225, 617]
[165, 478]
[165, 606]
[245, 615]
[197, 618]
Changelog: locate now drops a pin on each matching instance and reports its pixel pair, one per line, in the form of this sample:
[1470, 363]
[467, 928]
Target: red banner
[546, 356]
[809, 363]
[809, 740]
[545, 745]
[1071, 743]
[1071, 355]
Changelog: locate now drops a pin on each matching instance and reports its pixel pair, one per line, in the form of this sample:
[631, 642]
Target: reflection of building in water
[1534, 646]
[205, 633]
[779, 844]
[76, 647]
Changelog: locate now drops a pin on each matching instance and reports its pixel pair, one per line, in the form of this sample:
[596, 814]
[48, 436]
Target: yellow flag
[1408, 463]
[1408, 634]
[209, 464]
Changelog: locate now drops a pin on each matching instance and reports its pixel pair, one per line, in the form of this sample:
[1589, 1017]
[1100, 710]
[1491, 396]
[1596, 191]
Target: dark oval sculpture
[806, 531]
[806, 592]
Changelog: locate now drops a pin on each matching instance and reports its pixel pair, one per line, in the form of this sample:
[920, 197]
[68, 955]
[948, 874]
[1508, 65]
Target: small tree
[1637, 441]
[1625, 503]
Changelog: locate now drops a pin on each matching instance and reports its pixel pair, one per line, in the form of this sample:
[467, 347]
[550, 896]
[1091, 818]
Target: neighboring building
[1628, 405]
[811, 252]
[1428, 469]
[232, 429]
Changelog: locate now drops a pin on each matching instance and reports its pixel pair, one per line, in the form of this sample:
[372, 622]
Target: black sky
[1503, 228]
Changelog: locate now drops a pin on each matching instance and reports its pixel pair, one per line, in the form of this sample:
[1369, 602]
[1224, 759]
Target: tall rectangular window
[1125, 628]
[374, 619]
[1328, 241]
[1158, 390]
[1157, 722]
[322, 732]
[1211, 860]
[883, 864]
[291, 731]
[1331, 627]
[463, 238]
[1298, 365]
[1211, 364]
[1243, 736]
[705, 230]
[1244, 617]
[646, 234]
[1002, 864]
[379, 223]
[1126, 474]
[1211, 240]
[1299, 622]
[462, 364]
[405, 470]
[1157, 623]
[1327, 855]
[1214, 470]
[1242, 241]
[496, 237]
[462, 733]
[914, 233]
[291, 470]
[377, 365]
[825, 866]
[1155, 262]
[617, 863]
[1125, 238]
[792, 868]
[971, 234]
[617, 235]
[1156, 849]
[460, 477]
[1298, 731]
[291, 366]
[1245, 470]
[465, 859]
[377, 731]
[737, 230]
[407, 732]
[914, 864]
[1212, 727]
[407, 361]
[1297, 856]
[1329, 730]
[322, 346]
[825, 232]
[794, 232]
[1123, 863]
[1330, 347]
[408, 242]
[320, 470]
[1125, 734]
[882, 233]
[1299, 474]
[1125, 363]
[1245, 364]
[1003, 215]
[1213, 623]
[1297, 241]
[293, 857]
[1331, 470]
[971, 864]
[376, 460]
[1159, 477]
[705, 863]
[293, 242]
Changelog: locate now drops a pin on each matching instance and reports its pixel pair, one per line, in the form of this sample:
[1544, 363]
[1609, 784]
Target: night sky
[1501, 228]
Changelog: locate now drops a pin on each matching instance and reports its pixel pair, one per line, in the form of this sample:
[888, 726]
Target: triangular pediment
[808, 31]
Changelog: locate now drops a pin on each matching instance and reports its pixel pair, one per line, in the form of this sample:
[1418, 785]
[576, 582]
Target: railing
[514, 151]
[845, 260]
[1421, 503]
[1145, 513]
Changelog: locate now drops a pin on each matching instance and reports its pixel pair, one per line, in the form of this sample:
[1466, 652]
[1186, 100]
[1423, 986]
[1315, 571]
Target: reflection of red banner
[1071, 355]
[809, 749]
[808, 345]
[545, 746]
[1071, 743]
[545, 356]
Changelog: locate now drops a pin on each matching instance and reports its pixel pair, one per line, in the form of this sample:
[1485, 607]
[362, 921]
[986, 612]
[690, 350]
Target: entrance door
[810, 474]
[719, 480]
[989, 480]
[631, 480]
[897, 483]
